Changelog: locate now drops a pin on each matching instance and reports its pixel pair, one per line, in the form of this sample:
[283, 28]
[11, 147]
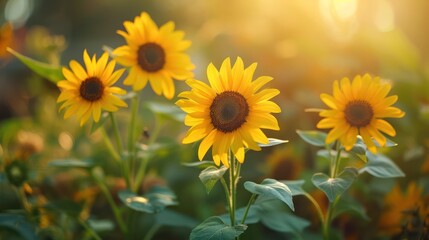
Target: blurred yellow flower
[283, 163]
[6, 38]
[154, 54]
[397, 203]
[230, 113]
[358, 107]
[87, 92]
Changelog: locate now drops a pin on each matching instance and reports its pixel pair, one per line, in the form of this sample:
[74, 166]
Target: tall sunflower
[358, 108]
[154, 54]
[87, 92]
[229, 114]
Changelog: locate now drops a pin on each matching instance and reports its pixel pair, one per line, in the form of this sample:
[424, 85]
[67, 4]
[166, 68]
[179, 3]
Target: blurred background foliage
[304, 45]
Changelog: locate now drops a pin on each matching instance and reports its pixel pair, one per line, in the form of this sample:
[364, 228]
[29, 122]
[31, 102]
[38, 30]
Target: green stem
[116, 132]
[328, 219]
[232, 185]
[251, 200]
[89, 229]
[109, 145]
[124, 166]
[226, 190]
[131, 147]
[112, 204]
[144, 161]
[336, 161]
[316, 205]
[152, 231]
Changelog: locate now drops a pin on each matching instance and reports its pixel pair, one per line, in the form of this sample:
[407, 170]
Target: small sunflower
[229, 114]
[154, 54]
[87, 92]
[358, 108]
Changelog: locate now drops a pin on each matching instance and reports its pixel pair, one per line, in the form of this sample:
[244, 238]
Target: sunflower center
[229, 111]
[151, 57]
[358, 113]
[91, 89]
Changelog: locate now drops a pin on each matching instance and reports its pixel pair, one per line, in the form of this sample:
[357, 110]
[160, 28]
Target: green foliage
[271, 189]
[214, 228]
[100, 123]
[172, 218]
[313, 137]
[166, 111]
[334, 187]
[154, 201]
[50, 72]
[211, 175]
[295, 186]
[19, 224]
[200, 164]
[351, 206]
[72, 163]
[381, 166]
[273, 142]
[275, 216]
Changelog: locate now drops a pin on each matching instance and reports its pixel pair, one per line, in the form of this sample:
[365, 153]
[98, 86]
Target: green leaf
[271, 189]
[315, 138]
[50, 72]
[358, 151]
[101, 225]
[295, 186]
[165, 110]
[350, 205]
[97, 125]
[154, 201]
[19, 224]
[273, 142]
[211, 175]
[381, 166]
[214, 229]
[334, 187]
[284, 222]
[200, 164]
[174, 219]
[389, 143]
[253, 216]
[72, 163]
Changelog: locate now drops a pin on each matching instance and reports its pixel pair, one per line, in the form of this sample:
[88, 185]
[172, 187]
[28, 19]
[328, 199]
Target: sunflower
[229, 114]
[87, 92]
[358, 108]
[154, 54]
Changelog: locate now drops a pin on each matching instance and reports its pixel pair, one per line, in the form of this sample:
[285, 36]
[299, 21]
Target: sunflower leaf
[214, 228]
[334, 187]
[359, 150]
[271, 189]
[295, 186]
[200, 164]
[153, 202]
[313, 137]
[381, 166]
[211, 175]
[18, 224]
[273, 142]
[50, 72]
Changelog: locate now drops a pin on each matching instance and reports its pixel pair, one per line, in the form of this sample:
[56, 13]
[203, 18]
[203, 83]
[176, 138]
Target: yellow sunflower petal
[385, 127]
[78, 70]
[206, 144]
[329, 100]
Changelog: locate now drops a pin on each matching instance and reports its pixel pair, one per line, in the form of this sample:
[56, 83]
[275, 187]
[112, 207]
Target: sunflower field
[214, 120]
